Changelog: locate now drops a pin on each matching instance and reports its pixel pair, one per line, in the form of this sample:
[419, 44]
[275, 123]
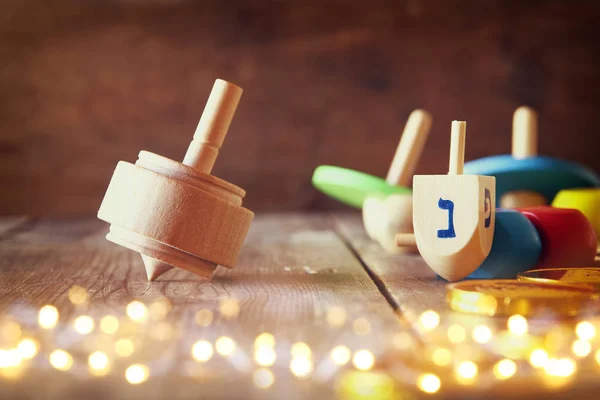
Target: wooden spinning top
[178, 214]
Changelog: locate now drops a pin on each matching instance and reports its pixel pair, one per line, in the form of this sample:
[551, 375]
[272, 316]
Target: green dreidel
[386, 204]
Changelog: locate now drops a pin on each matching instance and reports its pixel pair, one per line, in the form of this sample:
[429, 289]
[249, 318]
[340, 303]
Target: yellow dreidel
[454, 215]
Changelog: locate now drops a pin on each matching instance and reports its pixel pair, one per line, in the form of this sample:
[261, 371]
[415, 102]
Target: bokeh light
[363, 360]
[48, 317]
[137, 373]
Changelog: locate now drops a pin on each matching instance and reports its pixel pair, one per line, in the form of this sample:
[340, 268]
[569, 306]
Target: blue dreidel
[524, 179]
[516, 248]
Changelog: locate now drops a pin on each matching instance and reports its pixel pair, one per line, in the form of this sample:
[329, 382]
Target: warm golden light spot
[300, 349]
[48, 317]
[361, 326]
[229, 308]
[10, 332]
[538, 358]
[336, 317]
[517, 325]
[441, 356]
[61, 360]
[202, 351]
[159, 308]
[265, 339]
[28, 348]
[124, 347]
[109, 324]
[204, 317]
[10, 358]
[363, 360]
[225, 346]
[263, 378]
[585, 330]
[482, 334]
[563, 367]
[340, 355]
[467, 370]
[84, 324]
[137, 311]
[98, 363]
[456, 334]
[581, 348]
[136, 374]
[265, 356]
[429, 383]
[429, 320]
[597, 356]
[77, 295]
[301, 366]
[504, 369]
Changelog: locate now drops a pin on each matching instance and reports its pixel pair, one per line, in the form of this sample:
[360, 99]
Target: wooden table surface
[311, 278]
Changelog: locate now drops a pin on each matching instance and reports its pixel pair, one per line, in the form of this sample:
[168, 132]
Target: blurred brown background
[85, 84]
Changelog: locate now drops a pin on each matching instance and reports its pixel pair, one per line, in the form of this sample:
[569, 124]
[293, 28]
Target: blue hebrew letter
[447, 233]
[488, 208]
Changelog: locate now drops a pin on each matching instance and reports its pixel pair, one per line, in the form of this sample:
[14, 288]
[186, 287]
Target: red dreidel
[568, 238]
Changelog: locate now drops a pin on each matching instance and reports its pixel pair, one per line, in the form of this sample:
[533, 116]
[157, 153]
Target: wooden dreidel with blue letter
[386, 204]
[454, 215]
[178, 214]
[524, 179]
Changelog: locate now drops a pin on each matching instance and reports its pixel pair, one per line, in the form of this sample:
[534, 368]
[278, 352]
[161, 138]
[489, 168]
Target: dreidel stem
[457, 147]
[409, 148]
[213, 126]
[525, 133]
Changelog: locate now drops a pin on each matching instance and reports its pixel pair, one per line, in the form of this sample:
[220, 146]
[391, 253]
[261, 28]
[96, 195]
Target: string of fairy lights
[125, 344]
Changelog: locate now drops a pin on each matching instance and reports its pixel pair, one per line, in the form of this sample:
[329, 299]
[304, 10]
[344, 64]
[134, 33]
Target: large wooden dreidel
[454, 215]
[178, 214]
[524, 179]
[386, 204]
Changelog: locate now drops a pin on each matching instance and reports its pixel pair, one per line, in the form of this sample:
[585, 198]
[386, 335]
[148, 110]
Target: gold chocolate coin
[508, 297]
[579, 276]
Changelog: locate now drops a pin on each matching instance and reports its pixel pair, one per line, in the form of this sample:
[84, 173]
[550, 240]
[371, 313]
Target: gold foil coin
[508, 297]
[579, 276]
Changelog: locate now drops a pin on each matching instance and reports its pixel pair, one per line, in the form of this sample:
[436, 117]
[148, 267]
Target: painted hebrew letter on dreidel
[453, 215]
[447, 205]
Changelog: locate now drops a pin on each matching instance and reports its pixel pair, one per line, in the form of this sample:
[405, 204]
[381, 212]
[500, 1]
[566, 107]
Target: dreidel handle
[409, 148]
[525, 133]
[457, 147]
[213, 126]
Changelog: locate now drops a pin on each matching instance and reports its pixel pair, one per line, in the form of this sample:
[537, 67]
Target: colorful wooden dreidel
[386, 204]
[524, 179]
[568, 238]
[454, 215]
[585, 200]
[516, 248]
[178, 214]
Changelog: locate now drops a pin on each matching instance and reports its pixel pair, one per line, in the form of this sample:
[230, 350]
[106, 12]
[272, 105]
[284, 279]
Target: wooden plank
[293, 269]
[412, 285]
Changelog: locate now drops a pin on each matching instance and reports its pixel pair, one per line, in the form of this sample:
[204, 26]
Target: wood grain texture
[87, 84]
[292, 269]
